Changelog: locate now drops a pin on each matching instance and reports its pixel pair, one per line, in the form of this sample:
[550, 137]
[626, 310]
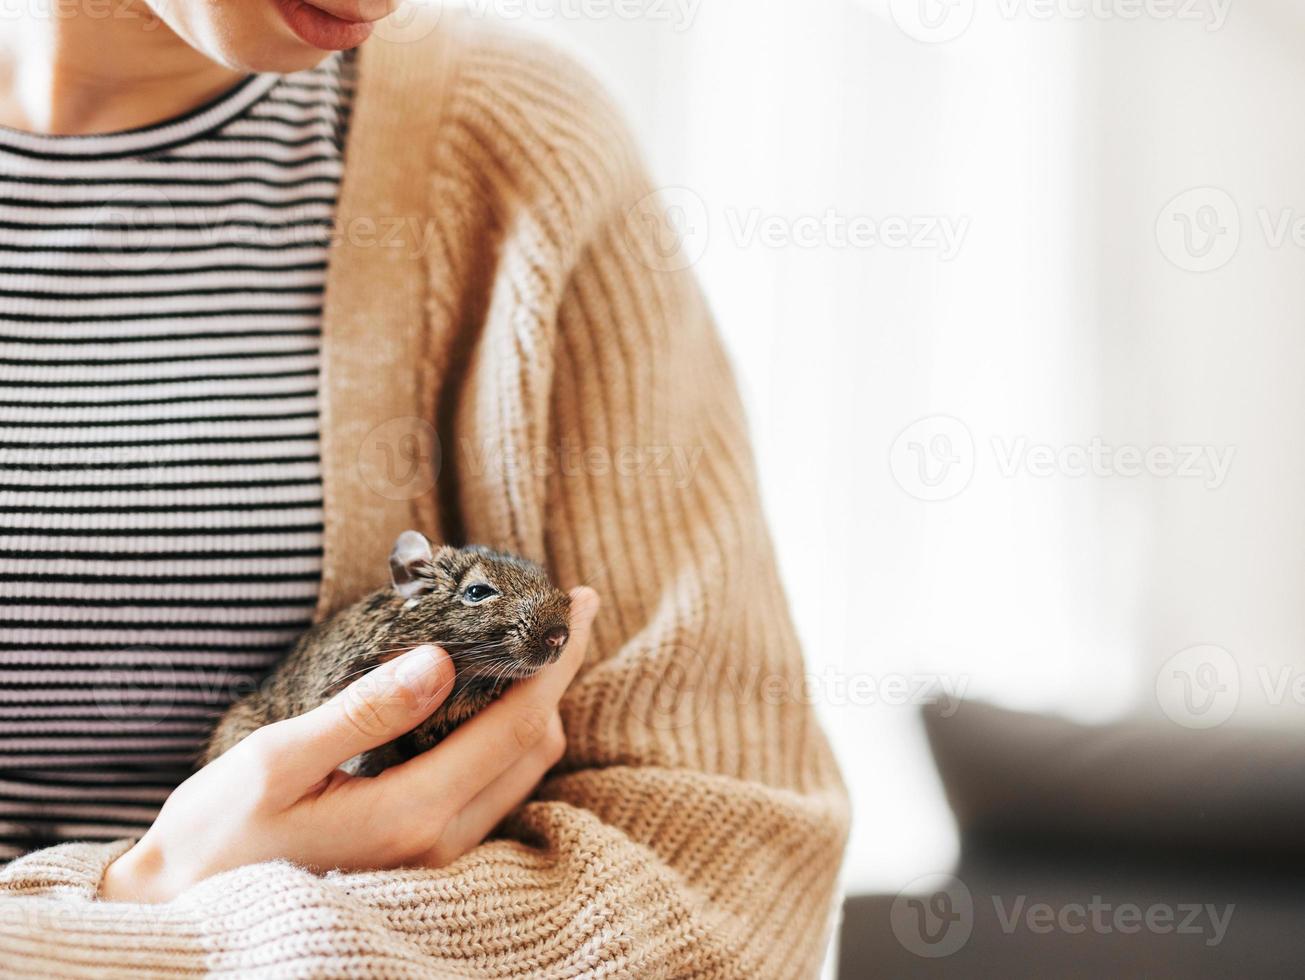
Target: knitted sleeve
[696, 825]
[693, 744]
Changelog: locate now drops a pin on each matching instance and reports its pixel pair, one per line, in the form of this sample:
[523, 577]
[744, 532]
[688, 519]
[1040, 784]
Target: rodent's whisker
[500, 672]
[481, 661]
[593, 576]
[485, 654]
[458, 646]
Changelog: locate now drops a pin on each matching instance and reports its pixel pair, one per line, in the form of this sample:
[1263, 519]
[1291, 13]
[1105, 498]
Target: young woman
[279, 280]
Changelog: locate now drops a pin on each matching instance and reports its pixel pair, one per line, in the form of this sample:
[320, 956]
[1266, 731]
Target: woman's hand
[279, 793]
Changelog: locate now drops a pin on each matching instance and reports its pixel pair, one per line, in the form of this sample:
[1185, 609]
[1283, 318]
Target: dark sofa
[1139, 849]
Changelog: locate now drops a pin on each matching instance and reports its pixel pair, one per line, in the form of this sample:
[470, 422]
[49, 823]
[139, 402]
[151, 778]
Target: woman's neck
[97, 68]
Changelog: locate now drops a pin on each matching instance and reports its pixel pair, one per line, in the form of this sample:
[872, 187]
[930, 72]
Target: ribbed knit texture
[696, 825]
[160, 488]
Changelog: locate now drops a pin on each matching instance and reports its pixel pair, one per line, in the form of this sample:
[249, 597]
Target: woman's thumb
[383, 704]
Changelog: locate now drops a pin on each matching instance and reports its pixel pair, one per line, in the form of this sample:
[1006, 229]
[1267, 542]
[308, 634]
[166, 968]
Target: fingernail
[418, 671]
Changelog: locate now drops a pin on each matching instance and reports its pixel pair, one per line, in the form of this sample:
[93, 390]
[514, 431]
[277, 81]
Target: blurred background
[1014, 291]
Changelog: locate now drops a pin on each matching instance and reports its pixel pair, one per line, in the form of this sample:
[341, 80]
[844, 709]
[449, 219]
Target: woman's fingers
[487, 810]
[451, 775]
[378, 707]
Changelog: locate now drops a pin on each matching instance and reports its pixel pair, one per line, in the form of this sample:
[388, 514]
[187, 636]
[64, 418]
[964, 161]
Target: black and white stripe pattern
[160, 491]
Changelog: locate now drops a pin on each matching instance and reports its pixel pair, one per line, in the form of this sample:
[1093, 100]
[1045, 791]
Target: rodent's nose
[556, 637]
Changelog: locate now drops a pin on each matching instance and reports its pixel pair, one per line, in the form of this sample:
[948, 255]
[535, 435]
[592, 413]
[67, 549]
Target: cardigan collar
[379, 448]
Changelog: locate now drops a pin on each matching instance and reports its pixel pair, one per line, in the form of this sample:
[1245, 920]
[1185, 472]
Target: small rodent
[498, 616]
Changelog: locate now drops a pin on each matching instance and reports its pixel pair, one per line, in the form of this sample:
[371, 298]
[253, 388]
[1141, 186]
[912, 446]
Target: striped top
[160, 492]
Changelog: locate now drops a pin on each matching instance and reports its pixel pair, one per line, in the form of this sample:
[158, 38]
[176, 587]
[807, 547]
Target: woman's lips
[320, 29]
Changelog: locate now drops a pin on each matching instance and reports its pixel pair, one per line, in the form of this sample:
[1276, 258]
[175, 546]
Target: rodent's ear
[411, 552]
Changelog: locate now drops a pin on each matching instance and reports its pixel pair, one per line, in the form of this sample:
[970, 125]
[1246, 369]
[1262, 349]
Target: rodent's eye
[478, 593]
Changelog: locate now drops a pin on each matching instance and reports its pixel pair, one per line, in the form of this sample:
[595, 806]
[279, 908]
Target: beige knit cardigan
[510, 357]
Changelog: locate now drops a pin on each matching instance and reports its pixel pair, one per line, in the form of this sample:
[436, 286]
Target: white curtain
[945, 258]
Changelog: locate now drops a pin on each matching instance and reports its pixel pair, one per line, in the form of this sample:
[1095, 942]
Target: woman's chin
[245, 39]
[278, 52]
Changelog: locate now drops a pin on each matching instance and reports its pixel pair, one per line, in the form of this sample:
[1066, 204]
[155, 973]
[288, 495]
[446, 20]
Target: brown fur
[491, 644]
